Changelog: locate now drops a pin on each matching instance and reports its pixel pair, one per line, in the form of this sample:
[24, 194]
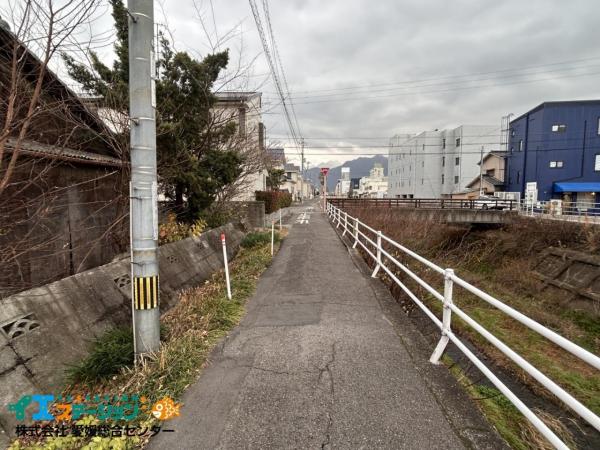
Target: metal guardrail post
[355, 233]
[345, 223]
[446, 317]
[378, 266]
[339, 217]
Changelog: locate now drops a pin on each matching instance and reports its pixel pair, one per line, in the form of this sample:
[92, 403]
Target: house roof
[36, 149]
[557, 103]
[236, 97]
[496, 154]
[52, 85]
[487, 179]
[292, 168]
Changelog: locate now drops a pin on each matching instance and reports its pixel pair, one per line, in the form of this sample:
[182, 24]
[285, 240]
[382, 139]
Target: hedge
[274, 200]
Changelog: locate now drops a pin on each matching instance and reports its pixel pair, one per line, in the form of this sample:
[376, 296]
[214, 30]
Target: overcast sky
[403, 65]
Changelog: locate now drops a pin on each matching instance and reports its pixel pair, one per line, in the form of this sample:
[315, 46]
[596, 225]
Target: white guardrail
[587, 212]
[372, 242]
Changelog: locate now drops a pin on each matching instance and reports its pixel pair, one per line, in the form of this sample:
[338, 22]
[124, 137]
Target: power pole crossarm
[143, 186]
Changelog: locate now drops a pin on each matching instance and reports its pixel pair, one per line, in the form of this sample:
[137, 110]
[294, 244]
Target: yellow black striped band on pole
[145, 292]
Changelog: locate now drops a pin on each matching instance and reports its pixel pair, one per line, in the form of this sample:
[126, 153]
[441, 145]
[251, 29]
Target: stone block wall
[44, 329]
[576, 274]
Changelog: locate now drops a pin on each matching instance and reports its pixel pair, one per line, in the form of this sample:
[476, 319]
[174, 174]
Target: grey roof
[36, 149]
[489, 179]
[292, 168]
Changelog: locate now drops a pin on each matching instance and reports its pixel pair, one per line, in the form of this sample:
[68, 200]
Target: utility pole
[481, 173]
[143, 186]
[302, 173]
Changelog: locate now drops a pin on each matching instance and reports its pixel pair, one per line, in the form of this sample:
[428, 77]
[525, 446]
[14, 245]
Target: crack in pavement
[323, 370]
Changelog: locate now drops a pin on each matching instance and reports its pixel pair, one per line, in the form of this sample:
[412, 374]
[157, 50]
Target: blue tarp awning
[591, 186]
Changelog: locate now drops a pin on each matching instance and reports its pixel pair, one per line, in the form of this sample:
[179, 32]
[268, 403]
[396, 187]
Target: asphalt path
[323, 359]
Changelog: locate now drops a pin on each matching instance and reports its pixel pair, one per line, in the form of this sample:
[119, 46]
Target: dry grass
[190, 331]
[500, 262]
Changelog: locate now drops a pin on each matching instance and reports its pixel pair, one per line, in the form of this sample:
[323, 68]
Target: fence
[570, 211]
[374, 243]
[426, 203]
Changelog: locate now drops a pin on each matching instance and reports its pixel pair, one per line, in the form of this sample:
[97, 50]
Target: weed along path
[323, 358]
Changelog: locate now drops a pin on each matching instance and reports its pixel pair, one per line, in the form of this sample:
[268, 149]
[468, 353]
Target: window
[443, 161]
[556, 164]
[442, 178]
[597, 163]
[559, 128]
[458, 142]
[444, 140]
[457, 161]
[512, 149]
[422, 163]
[423, 147]
[518, 176]
[552, 164]
[512, 132]
[598, 131]
[455, 179]
[422, 180]
[521, 145]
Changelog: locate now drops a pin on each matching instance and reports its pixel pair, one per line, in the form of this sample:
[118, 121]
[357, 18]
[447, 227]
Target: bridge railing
[379, 248]
[588, 212]
[426, 203]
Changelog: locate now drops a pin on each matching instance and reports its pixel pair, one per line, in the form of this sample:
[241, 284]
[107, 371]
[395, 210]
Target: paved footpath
[321, 361]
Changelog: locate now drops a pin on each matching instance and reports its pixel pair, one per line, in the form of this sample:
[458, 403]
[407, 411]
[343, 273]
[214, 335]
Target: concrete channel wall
[45, 329]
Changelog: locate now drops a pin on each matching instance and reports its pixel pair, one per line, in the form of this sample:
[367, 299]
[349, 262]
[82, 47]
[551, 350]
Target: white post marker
[272, 236]
[226, 264]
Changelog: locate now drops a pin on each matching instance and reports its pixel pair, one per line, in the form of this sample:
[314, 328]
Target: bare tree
[61, 166]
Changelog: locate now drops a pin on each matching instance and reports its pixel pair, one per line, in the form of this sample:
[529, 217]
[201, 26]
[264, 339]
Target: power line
[369, 86]
[337, 100]
[273, 69]
[459, 82]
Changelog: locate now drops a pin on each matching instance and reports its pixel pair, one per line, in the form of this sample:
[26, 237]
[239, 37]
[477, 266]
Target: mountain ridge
[359, 168]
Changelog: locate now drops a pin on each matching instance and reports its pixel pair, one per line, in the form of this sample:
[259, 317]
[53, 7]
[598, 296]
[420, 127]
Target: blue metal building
[557, 146]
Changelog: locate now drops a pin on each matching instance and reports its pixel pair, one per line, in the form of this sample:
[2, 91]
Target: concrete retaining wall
[45, 329]
[285, 212]
[575, 274]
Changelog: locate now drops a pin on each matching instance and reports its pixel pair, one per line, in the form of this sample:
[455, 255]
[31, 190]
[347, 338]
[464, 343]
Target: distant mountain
[330, 164]
[359, 168]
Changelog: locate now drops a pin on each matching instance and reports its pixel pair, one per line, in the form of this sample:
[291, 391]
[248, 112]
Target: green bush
[274, 200]
[109, 353]
[256, 239]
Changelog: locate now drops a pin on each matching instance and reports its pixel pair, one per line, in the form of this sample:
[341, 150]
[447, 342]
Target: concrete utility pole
[481, 173]
[143, 187]
[302, 172]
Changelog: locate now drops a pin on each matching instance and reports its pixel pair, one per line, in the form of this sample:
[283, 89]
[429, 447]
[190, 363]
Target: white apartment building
[245, 108]
[439, 163]
[375, 185]
[342, 187]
